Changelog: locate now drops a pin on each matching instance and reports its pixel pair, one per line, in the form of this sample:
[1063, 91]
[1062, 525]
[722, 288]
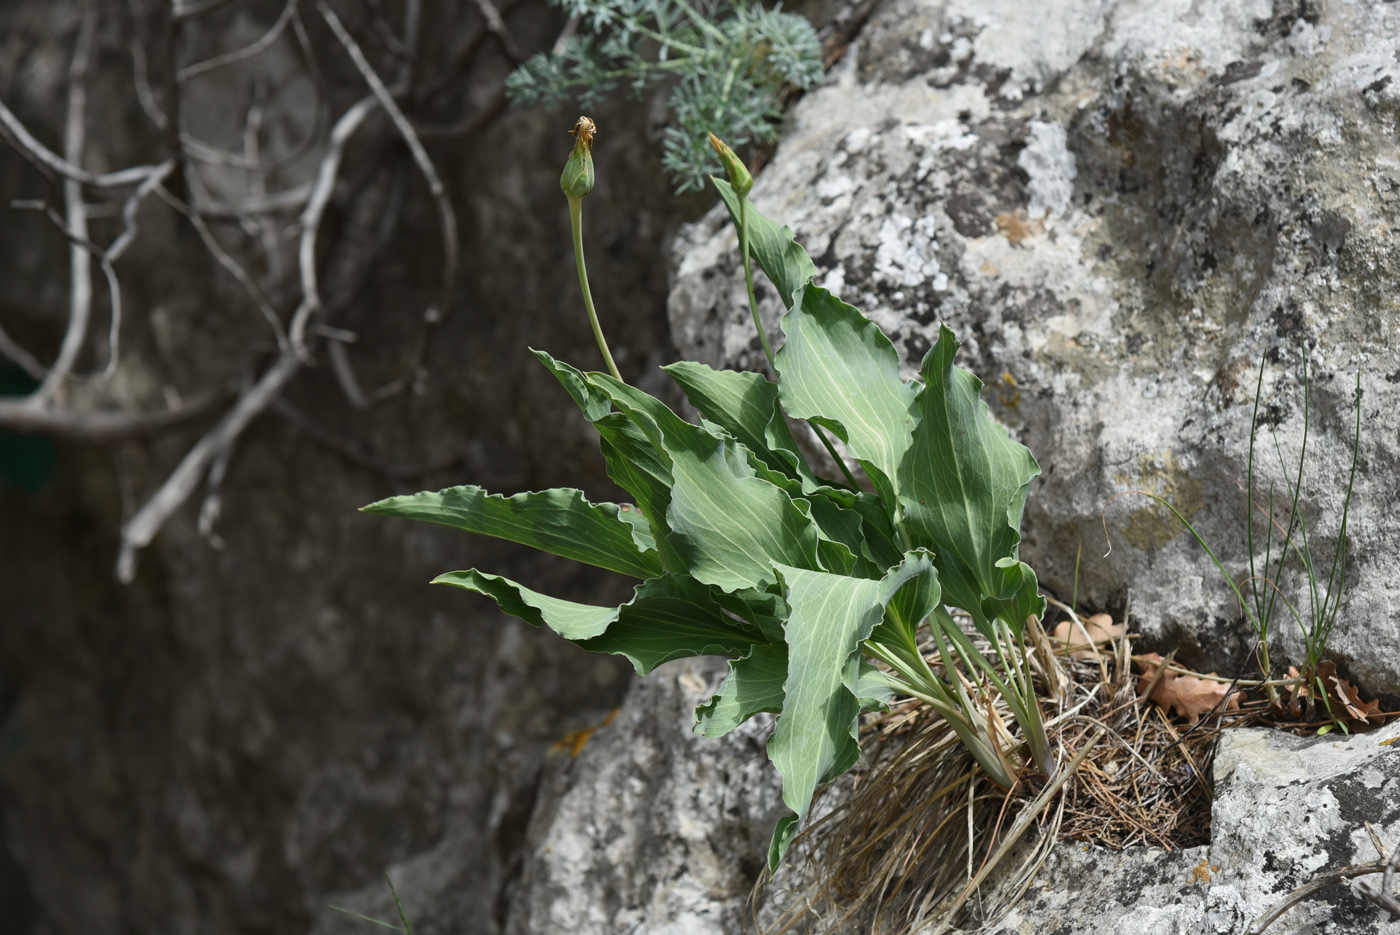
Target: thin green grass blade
[1336, 575]
[398, 905]
[365, 918]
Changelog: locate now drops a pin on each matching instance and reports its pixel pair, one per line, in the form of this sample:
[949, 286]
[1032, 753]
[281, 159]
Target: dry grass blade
[922, 829]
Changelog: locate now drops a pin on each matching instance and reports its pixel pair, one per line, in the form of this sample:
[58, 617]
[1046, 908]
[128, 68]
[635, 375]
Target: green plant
[744, 552]
[727, 61]
[1324, 598]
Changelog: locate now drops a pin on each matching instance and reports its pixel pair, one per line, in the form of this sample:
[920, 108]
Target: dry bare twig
[269, 215]
[446, 216]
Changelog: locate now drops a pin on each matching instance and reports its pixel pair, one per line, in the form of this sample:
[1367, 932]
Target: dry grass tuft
[920, 827]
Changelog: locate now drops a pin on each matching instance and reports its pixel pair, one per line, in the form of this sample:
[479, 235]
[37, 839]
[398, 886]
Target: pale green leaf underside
[754, 684]
[874, 691]
[570, 619]
[838, 368]
[560, 521]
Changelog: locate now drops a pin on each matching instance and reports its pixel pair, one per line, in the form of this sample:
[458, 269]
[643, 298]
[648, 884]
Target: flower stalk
[741, 180]
[576, 182]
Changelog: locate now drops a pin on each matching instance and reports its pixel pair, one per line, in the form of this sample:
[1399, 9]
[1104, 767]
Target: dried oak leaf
[1189, 695]
[1344, 697]
[1100, 629]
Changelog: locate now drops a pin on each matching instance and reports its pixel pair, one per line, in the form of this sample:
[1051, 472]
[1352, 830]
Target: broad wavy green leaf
[667, 618]
[728, 526]
[788, 266]
[962, 486]
[839, 370]
[745, 405]
[570, 619]
[754, 684]
[560, 521]
[670, 618]
[816, 738]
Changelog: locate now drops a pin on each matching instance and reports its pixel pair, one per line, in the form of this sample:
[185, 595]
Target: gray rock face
[1285, 810]
[652, 828]
[1119, 207]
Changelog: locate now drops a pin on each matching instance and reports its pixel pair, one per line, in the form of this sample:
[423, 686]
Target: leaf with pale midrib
[817, 734]
[839, 370]
[962, 486]
[560, 521]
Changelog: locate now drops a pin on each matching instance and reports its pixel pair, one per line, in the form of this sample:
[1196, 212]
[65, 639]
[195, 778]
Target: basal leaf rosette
[743, 551]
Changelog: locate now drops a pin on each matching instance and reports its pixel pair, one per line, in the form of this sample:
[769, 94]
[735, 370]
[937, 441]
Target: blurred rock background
[276, 711]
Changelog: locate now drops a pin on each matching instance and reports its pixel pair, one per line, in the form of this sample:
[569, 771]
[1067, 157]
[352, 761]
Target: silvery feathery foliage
[727, 61]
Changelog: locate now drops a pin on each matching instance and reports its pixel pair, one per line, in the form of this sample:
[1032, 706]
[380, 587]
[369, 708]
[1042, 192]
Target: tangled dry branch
[247, 232]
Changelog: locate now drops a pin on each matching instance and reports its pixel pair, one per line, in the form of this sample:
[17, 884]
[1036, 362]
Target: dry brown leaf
[1100, 628]
[1190, 695]
[1344, 696]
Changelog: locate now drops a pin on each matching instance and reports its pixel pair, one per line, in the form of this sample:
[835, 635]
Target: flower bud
[739, 178]
[577, 179]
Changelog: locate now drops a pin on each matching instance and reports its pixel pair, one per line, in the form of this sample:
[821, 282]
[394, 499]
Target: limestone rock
[651, 828]
[1286, 809]
[1119, 208]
